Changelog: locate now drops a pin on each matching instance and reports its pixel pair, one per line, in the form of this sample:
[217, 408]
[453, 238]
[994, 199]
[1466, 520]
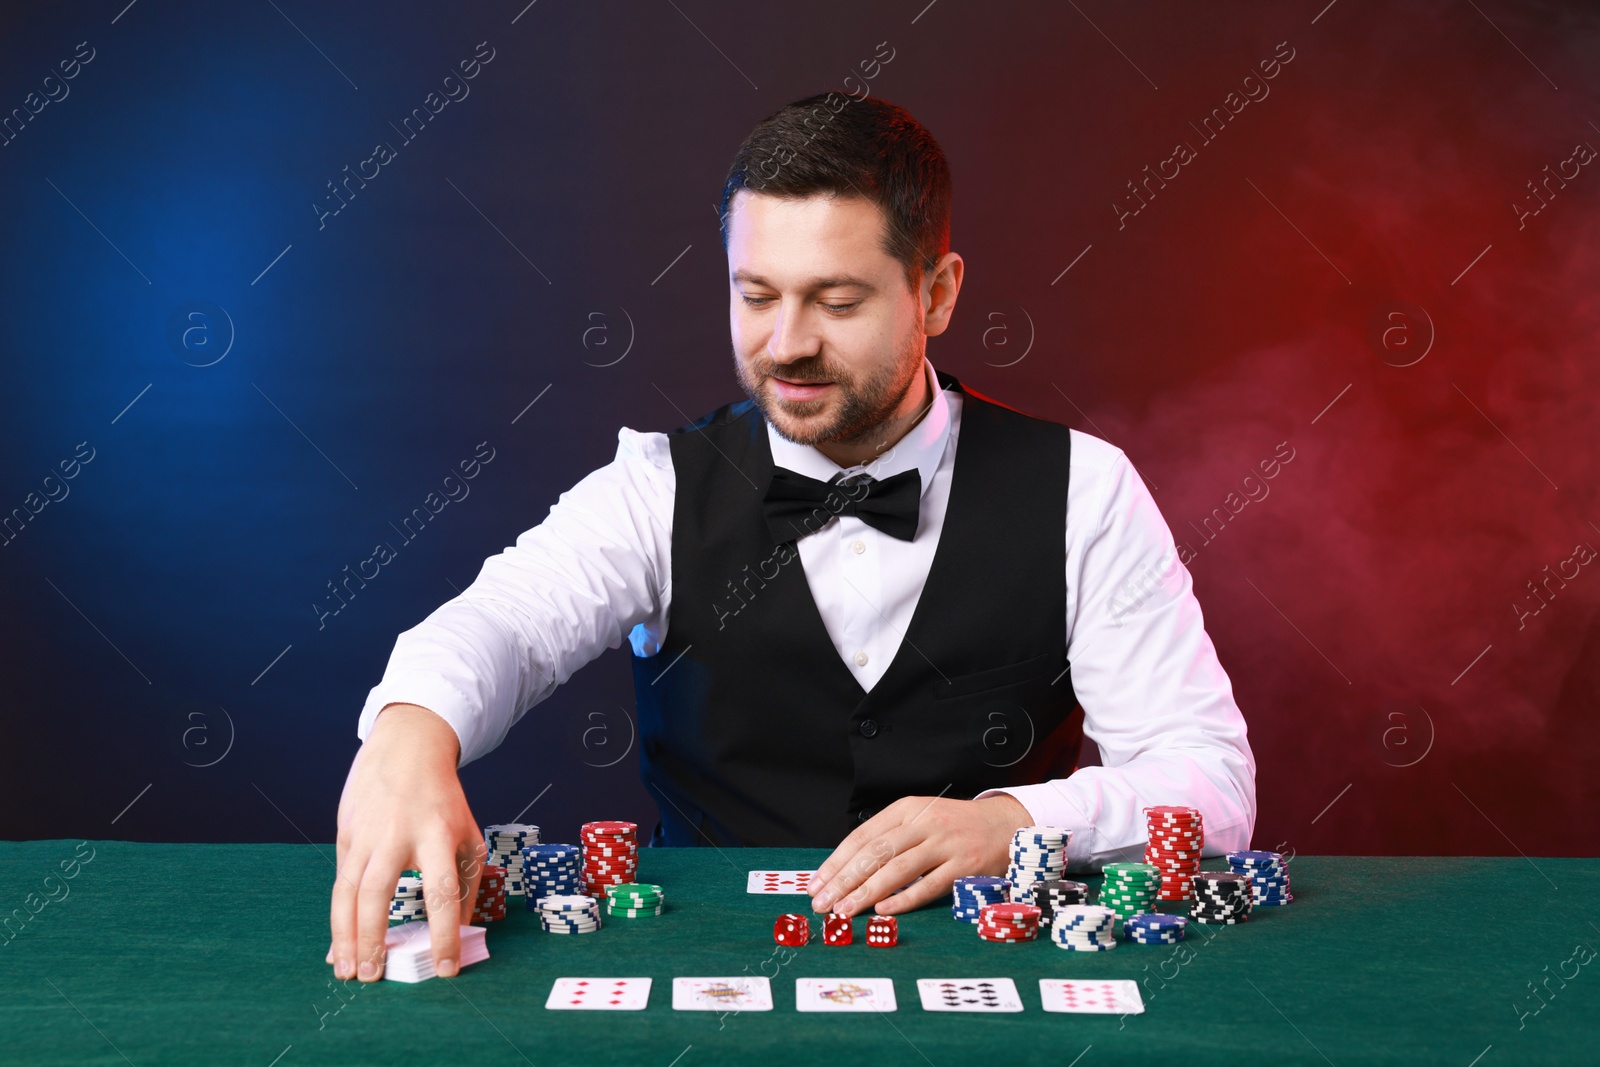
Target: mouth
[790, 390]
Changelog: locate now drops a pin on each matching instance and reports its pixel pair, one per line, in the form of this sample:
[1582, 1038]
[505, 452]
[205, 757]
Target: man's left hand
[937, 839]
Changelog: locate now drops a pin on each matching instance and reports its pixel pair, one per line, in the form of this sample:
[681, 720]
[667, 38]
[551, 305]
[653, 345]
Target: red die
[883, 931]
[836, 930]
[791, 930]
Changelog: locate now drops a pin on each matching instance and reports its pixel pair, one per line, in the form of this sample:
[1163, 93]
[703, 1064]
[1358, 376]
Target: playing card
[844, 994]
[1119, 997]
[599, 994]
[409, 951]
[968, 994]
[749, 993]
[779, 882]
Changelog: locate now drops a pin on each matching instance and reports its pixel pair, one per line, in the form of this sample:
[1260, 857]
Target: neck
[882, 437]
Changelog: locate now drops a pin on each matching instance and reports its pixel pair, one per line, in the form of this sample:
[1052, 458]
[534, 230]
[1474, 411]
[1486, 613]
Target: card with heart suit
[779, 882]
[969, 994]
[747, 993]
[599, 994]
[1118, 997]
[844, 994]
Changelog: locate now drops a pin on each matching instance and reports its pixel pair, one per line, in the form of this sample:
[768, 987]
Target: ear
[940, 286]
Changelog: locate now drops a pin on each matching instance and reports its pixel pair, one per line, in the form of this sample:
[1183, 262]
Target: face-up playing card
[844, 994]
[779, 882]
[968, 994]
[599, 994]
[1120, 997]
[748, 993]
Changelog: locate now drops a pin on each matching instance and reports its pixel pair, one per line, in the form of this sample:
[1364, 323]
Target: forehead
[783, 240]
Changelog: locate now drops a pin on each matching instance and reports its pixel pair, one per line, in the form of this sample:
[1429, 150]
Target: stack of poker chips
[1177, 835]
[610, 854]
[1084, 928]
[1053, 893]
[883, 931]
[569, 913]
[629, 900]
[491, 903]
[836, 929]
[550, 870]
[1221, 897]
[506, 842]
[407, 903]
[1008, 922]
[970, 895]
[1154, 929]
[793, 930]
[1038, 853]
[1130, 888]
[1268, 873]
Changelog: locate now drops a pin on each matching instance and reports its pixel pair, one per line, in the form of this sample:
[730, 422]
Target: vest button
[869, 727]
[864, 814]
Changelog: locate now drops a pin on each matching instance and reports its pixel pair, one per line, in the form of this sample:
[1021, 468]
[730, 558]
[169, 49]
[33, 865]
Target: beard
[861, 405]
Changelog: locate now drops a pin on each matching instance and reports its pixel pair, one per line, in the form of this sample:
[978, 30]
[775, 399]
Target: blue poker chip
[1156, 921]
[1254, 856]
[982, 881]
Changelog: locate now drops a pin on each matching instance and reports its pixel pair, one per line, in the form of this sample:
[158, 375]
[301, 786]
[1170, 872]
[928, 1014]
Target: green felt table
[213, 954]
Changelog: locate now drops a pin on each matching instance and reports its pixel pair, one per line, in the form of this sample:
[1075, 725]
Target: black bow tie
[796, 505]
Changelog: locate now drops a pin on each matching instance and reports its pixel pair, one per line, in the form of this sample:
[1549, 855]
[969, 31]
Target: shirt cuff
[438, 696]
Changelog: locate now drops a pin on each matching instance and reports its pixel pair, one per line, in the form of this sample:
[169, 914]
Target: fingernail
[446, 968]
[369, 970]
[822, 901]
[342, 970]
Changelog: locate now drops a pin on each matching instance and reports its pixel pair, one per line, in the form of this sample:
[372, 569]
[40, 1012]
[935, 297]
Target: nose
[792, 338]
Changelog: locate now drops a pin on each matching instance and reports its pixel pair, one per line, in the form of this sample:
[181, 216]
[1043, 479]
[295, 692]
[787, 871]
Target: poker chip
[972, 894]
[490, 905]
[793, 930]
[1268, 873]
[407, 904]
[1053, 893]
[1130, 888]
[569, 913]
[837, 929]
[1008, 922]
[610, 854]
[1176, 836]
[1221, 897]
[1038, 854]
[629, 900]
[505, 842]
[550, 870]
[1084, 928]
[1153, 928]
[883, 931]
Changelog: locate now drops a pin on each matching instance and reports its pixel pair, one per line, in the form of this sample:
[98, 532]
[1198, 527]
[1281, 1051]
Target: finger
[378, 884]
[925, 890]
[864, 864]
[896, 871]
[342, 914]
[470, 858]
[853, 843]
[441, 883]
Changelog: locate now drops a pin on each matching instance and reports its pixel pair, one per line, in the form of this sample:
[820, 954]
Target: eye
[838, 309]
[757, 301]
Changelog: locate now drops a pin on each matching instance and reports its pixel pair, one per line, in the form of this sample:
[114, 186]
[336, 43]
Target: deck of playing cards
[410, 951]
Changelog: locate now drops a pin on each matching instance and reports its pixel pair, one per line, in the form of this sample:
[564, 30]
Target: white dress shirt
[598, 570]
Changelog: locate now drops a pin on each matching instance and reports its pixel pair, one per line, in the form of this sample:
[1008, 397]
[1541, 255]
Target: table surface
[213, 954]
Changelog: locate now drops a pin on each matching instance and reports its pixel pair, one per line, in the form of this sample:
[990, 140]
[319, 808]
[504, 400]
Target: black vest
[754, 732]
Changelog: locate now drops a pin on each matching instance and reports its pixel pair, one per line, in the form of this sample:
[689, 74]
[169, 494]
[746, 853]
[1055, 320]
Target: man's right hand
[403, 808]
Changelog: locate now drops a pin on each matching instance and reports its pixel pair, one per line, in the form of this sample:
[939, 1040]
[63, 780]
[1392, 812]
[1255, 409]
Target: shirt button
[861, 659]
[869, 727]
[858, 547]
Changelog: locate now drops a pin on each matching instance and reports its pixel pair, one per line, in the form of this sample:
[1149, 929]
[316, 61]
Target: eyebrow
[811, 284]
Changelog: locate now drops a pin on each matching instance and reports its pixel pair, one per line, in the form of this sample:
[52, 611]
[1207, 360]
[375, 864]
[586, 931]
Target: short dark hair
[835, 143]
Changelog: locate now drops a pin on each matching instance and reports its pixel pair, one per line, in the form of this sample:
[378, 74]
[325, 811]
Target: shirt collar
[922, 447]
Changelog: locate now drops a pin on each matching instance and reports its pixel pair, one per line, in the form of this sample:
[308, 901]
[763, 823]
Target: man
[862, 565]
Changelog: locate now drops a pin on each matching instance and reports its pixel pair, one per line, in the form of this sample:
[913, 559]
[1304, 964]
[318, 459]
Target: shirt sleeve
[1155, 698]
[576, 584]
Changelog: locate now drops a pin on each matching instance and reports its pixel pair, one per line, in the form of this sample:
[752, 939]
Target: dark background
[167, 676]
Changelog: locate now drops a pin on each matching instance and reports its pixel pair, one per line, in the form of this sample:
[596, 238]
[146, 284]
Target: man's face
[827, 337]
